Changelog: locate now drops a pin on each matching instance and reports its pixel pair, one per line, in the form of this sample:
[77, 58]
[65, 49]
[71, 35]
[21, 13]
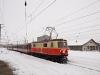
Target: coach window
[45, 45]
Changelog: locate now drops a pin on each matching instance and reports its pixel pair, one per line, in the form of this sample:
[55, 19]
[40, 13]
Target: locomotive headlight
[63, 51]
[60, 51]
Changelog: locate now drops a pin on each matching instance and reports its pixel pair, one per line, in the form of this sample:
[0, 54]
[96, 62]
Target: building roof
[82, 42]
[91, 40]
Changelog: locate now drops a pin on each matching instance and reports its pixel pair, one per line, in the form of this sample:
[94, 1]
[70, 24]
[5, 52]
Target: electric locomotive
[55, 49]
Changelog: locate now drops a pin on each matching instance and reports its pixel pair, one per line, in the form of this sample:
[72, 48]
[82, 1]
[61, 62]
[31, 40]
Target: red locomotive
[55, 49]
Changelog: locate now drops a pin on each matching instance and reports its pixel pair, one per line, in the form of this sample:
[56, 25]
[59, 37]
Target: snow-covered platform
[80, 63]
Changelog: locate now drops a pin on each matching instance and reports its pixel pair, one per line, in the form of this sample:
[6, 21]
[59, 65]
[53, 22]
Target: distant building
[91, 45]
[75, 47]
[43, 38]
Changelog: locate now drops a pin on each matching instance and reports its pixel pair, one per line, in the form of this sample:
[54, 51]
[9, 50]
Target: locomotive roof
[57, 40]
[49, 40]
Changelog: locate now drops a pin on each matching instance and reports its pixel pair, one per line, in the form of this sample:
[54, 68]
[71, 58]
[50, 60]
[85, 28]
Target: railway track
[70, 63]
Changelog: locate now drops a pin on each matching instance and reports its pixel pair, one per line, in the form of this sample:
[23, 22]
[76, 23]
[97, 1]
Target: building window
[93, 47]
[45, 45]
[96, 47]
[87, 47]
[84, 48]
[90, 47]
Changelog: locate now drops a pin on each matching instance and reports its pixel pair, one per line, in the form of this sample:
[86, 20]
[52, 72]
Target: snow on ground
[87, 59]
[23, 64]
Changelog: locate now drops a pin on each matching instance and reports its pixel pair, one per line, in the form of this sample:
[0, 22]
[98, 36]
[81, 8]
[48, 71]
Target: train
[55, 49]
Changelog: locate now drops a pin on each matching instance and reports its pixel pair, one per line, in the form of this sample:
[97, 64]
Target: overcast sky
[73, 19]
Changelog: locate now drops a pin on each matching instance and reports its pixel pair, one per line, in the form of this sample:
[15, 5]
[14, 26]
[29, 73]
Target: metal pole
[0, 32]
[25, 21]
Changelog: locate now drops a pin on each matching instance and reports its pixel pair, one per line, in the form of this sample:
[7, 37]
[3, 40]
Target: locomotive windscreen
[62, 44]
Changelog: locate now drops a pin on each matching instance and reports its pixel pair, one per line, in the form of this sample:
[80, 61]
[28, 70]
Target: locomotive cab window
[45, 45]
[62, 44]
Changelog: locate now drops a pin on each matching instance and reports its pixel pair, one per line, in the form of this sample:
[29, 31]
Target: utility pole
[0, 31]
[26, 41]
[1, 16]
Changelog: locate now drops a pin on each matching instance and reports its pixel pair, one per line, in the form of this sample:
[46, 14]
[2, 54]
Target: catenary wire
[81, 9]
[78, 18]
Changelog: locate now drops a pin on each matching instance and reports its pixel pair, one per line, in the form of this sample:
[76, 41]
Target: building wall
[75, 47]
[90, 46]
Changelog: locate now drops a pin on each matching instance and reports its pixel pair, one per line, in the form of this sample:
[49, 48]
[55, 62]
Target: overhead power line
[81, 9]
[43, 10]
[90, 30]
[86, 22]
[82, 28]
[74, 19]
[36, 9]
[81, 32]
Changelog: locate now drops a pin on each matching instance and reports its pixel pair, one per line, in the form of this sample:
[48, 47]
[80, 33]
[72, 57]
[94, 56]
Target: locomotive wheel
[63, 59]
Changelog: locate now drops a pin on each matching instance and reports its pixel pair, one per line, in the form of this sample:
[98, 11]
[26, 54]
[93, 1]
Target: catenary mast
[26, 40]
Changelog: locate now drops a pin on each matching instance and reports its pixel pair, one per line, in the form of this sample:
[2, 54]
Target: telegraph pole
[26, 41]
[1, 16]
[0, 31]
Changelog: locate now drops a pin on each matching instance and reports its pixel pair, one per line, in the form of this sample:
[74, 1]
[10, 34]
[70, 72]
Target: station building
[90, 45]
